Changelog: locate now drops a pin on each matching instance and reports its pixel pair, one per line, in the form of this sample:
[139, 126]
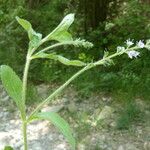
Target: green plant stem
[58, 90]
[24, 128]
[56, 45]
[24, 86]
[54, 94]
[24, 89]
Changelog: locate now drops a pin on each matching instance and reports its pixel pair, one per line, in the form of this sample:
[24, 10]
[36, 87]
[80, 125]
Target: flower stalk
[87, 67]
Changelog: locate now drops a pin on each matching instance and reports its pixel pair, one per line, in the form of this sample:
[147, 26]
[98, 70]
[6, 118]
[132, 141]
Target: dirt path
[43, 136]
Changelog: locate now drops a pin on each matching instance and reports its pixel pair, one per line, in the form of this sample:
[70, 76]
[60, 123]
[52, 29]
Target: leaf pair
[59, 58]
[13, 86]
[60, 33]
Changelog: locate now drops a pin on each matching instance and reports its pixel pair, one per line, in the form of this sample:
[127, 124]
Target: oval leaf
[62, 36]
[24, 23]
[12, 84]
[60, 33]
[60, 123]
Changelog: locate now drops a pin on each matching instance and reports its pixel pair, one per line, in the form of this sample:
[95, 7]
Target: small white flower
[133, 53]
[129, 42]
[140, 44]
[120, 49]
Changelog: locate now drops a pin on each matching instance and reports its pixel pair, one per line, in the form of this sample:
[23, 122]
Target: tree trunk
[95, 12]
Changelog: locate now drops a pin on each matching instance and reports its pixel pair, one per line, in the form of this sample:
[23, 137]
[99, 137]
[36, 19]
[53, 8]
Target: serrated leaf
[60, 58]
[60, 123]
[60, 33]
[12, 84]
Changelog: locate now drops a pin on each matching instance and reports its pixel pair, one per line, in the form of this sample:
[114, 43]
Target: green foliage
[61, 33]
[35, 38]
[17, 90]
[130, 114]
[60, 123]
[9, 31]
[105, 37]
[131, 21]
[32, 95]
[8, 148]
[83, 128]
[61, 59]
[25, 24]
[13, 85]
[133, 24]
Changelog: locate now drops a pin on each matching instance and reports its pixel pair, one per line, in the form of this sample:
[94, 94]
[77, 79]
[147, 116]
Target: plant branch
[56, 45]
[89, 66]
[54, 94]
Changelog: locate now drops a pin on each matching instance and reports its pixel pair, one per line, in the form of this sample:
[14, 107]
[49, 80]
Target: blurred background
[106, 23]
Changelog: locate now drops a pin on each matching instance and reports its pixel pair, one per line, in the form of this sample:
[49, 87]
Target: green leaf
[62, 36]
[34, 37]
[8, 148]
[60, 123]
[24, 23]
[60, 58]
[60, 33]
[68, 62]
[44, 55]
[12, 84]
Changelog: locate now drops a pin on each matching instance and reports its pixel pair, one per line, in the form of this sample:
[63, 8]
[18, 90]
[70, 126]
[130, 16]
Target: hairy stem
[54, 94]
[56, 45]
[24, 130]
[24, 86]
[24, 91]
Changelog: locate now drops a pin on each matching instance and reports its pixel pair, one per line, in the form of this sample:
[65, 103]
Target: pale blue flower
[129, 42]
[140, 44]
[133, 54]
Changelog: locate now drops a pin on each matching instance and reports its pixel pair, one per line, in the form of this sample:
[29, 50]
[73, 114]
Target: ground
[93, 121]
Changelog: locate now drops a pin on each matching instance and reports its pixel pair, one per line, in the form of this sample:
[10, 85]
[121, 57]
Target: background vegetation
[106, 23]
